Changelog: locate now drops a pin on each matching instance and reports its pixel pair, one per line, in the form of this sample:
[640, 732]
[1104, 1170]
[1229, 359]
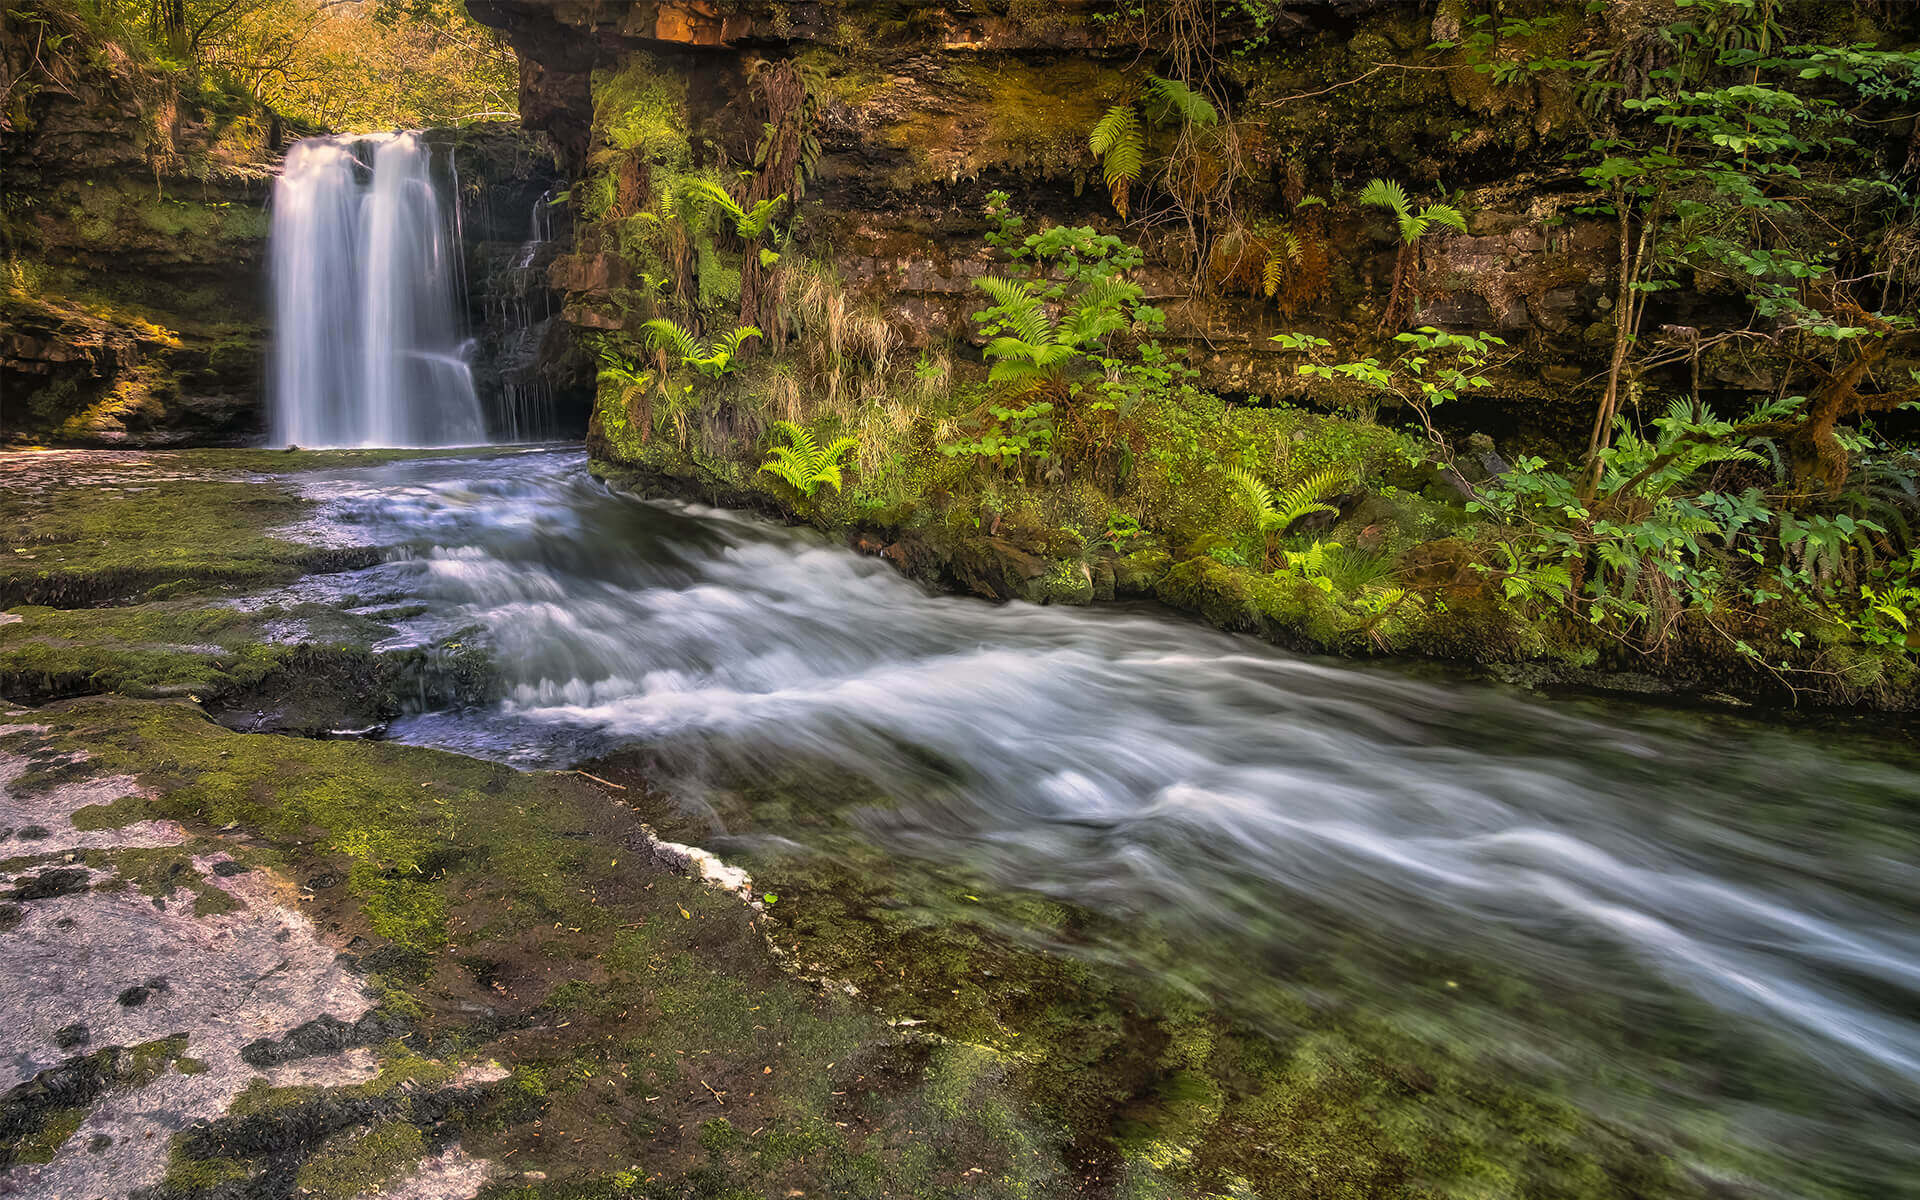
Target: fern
[1303, 498]
[803, 463]
[1021, 310]
[670, 340]
[1119, 144]
[1442, 214]
[1182, 103]
[1390, 195]
[1273, 512]
[752, 224]
[1347, 571]
[1034, 346]
[1271, 276]
[663, 335]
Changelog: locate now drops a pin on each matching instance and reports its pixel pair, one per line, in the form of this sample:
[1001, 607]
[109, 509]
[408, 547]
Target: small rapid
[1753, 883]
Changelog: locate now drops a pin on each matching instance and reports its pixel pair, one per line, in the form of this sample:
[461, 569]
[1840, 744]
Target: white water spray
[367, 343]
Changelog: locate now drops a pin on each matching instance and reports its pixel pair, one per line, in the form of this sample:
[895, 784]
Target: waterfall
[368, 349]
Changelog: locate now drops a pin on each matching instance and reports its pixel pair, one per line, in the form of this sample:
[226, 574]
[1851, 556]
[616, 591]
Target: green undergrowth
[1400, 567]
[1177, 530]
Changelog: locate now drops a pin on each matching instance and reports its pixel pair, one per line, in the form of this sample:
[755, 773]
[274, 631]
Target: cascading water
[522, 309]
[1707, 932]
[367, 340]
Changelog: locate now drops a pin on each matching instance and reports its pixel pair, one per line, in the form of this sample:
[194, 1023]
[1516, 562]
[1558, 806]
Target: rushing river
[1758, 884]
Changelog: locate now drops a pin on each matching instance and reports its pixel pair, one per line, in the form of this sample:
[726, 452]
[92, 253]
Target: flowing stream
[1752, 885]
[367, 347]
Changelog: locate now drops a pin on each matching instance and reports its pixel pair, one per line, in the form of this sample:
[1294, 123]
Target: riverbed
[1700, 928]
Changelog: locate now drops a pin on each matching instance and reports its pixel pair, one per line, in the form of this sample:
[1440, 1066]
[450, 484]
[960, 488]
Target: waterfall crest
[367, 344]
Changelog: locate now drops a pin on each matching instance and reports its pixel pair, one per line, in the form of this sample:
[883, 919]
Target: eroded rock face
[925, 108]
[133, 314]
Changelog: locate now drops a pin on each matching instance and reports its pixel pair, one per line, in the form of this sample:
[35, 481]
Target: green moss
[160, 873]
[356, 1163]
[642, 109]
[176, 218]
[56, 1127]
[146, 1062]
[190, 1175]
[1038, 115]
[70, 544]
[164, 649]
[125, 811]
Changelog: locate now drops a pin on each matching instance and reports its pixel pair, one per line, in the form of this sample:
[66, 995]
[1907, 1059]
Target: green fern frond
[712, 193]
[1255, 494]
[1097, 312]
[802, 463]
[1303, 498]
[1443, 214]
[1182, 102]
[1120, 123]
[752, 225]
[1024, 311]
[1017, 361]
[799, 438]
[664, 333]
[1121, 148]
[730, 341]
[1388, 194]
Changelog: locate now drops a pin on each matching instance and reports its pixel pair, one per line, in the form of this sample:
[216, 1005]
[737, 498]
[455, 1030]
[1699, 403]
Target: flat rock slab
[92, 962]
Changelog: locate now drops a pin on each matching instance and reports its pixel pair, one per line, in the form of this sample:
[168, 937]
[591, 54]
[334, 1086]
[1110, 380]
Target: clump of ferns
[1275, 512]
[1646, 527]
[1414, 226]
[751, 224]
[1874, 520]
[682, 357]
[1285, 263]
[1361, 581]
[802, 462]
[679, 348]
[1883, 487]
[1054, 365]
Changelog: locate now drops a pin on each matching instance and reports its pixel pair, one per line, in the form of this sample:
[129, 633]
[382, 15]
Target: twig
[716, 1095]
[618, 787]
[1377, 68]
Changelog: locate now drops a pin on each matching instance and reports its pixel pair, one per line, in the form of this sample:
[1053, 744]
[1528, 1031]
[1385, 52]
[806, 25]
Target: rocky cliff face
[923, 109]
[513, 222]
[135, 229]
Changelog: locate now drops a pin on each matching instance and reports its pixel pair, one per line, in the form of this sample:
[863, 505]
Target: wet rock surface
[159, 997]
